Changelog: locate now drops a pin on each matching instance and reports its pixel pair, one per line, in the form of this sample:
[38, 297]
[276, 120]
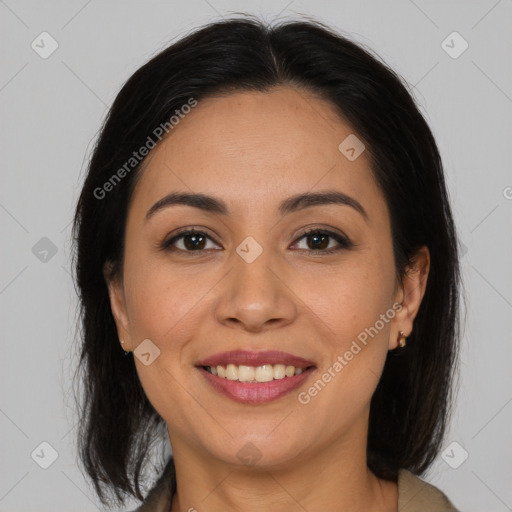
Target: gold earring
[124, 351]
[401, 339]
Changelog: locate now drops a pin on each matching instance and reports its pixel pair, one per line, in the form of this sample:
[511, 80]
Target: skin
[254, 150]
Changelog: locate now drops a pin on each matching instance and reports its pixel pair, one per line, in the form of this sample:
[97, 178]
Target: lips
[256, 393]
[265, 387]
[251, 358]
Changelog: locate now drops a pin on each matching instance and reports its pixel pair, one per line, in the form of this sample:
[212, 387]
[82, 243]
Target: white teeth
[245, 373]
[279, 371]
[263, 373]
[289, 371]
[232, 372]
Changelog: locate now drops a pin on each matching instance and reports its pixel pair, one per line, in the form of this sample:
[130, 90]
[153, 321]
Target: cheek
[163, 308]
[351, 298]
[352, 306]
[161, 300]
[355, 346]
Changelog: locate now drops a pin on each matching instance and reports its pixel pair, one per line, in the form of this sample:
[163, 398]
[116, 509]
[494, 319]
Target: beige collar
[416, 495]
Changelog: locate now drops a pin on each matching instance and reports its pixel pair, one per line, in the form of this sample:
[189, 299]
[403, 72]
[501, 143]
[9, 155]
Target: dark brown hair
[411, 405]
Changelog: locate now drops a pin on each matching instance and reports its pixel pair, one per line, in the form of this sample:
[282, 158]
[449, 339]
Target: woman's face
[252, 281]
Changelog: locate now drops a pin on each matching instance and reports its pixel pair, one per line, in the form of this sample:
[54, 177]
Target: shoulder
[416, 495]
[159, 497]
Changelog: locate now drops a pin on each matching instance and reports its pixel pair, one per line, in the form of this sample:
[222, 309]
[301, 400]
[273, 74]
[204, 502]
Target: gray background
[51, 110]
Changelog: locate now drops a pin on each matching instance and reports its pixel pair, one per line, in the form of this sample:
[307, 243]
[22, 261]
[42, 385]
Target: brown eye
[188, 241]
[318, 240]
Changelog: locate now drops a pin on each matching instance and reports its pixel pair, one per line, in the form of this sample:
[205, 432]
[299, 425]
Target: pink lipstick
[255, 377]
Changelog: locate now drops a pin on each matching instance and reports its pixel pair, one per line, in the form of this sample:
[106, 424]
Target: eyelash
[344, 242]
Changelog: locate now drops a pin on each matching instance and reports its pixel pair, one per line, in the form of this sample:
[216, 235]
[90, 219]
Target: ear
[118, 305]
[409, 295]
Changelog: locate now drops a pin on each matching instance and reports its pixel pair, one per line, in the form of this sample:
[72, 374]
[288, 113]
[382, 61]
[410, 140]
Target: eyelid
[181, 232]
[343, 241]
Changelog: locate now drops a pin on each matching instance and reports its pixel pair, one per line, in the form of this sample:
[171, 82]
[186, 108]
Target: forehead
[254, 149]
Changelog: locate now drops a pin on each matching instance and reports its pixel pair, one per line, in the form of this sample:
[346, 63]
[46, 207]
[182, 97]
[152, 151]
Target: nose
[255, 296]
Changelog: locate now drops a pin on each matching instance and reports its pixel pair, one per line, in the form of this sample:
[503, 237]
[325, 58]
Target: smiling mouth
[255, 374]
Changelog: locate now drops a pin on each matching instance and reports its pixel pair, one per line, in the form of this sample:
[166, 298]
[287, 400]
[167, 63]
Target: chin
[258, 451]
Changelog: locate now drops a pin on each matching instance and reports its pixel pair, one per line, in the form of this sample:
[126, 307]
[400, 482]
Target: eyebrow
[289, 205]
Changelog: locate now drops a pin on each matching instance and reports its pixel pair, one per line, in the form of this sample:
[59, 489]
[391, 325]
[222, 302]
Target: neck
[334, 477]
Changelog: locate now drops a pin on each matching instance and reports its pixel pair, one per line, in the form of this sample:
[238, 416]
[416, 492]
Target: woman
[268, 274]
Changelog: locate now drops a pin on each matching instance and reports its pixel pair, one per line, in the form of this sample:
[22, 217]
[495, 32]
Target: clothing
[414, 495]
